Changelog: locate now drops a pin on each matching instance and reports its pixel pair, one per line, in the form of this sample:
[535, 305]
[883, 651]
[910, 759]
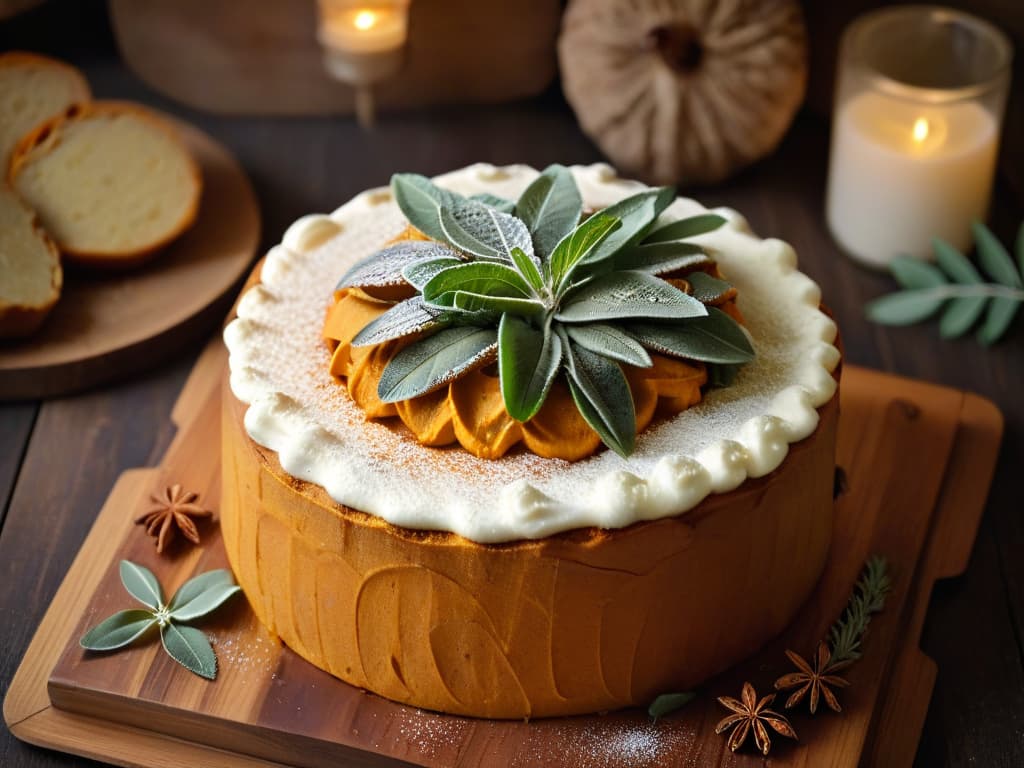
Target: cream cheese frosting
[279, 368]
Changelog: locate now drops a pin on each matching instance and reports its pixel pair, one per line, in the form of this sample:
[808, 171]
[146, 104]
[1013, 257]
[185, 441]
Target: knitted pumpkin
[684, 90]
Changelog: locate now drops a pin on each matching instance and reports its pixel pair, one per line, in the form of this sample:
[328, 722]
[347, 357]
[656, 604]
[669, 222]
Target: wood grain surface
[59, 459]
[110, 324]
[897, 438]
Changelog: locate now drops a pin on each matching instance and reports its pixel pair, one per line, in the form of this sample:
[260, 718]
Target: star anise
[175, 509]
[752, 715]
[816, 680]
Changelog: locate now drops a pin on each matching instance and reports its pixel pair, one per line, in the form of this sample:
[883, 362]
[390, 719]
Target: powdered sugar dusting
[280, 366]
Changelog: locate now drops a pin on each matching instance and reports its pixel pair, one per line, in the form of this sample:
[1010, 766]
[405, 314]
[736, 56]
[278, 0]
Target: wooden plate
[109, 325]
[919, 460]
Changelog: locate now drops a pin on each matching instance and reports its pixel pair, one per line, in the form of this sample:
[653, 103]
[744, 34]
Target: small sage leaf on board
[954, 263]
[118, 630]
[386, 267]
[420, 200]
[716, 338]
[997, 320]
[190, 647]
[667, 703]
[196, 598]
[994, 258]
[550, 207]
[914, 273]
[434, 361]
[686, 228]
[141, 584]
[904, 307]
[960, 314]
[621, 295]
[528, 361]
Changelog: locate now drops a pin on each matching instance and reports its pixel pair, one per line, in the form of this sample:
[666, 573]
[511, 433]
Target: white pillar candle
[902, 173]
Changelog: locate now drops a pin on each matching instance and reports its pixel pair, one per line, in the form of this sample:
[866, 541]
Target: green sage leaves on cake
[546, 291]
[956, 287]
[187, 645]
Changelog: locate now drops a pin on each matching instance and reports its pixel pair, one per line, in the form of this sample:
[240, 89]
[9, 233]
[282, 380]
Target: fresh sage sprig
[868, 598]
[543, 291]
[957, 287]
[187, 645]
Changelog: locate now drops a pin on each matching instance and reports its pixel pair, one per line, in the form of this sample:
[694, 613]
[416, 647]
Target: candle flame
[921, 129]
[364, 19]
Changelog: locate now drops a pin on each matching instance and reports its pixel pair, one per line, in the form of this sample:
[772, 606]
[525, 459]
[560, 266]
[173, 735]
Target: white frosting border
[612, 496]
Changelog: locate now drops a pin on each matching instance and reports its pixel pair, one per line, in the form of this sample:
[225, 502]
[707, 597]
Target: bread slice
[30, 273]
[111, 182]
[33, 89]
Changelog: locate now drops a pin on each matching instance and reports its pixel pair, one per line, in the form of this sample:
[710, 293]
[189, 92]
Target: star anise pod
[752, 715]
[175, 509]
[816, 680]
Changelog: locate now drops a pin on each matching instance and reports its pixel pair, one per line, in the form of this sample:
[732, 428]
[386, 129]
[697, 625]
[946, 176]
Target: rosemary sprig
[868, 598]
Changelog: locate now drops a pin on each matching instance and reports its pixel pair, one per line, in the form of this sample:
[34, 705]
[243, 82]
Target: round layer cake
[524, 586]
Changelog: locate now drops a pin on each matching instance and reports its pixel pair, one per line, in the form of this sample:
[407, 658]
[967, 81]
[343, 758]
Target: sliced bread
[111, 182]
[33, 89]
[30, 273]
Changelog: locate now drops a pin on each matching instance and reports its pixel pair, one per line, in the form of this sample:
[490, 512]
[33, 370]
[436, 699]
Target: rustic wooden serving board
[108, 325]
[919, 460]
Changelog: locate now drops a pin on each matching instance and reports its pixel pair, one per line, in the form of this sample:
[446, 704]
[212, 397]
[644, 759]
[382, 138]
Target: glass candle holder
[363, 40]
[919, 104]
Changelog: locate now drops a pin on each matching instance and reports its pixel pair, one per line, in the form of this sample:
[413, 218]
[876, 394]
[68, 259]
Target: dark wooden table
[59, 458]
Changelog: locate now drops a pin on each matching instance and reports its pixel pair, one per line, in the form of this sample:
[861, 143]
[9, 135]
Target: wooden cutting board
[919, 459]
[108, 325]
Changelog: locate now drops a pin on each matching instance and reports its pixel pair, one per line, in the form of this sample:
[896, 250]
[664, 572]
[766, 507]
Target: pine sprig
[545, 292]
[868, 598]
[957, 288]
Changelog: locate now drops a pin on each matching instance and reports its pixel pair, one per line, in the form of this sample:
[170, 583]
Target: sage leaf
[478, 277]
[1001, 312]
[684, 228]
[386, 267]
[434, 361]
[527, 268]
[627, 294]
[403, 319]
[419, 273]
[994, 258]
[716, 338]
[420, 200]
[707, 289]
[528, 361]
[495, 202]
[602, 395]
[118, 630]
[914, 273]
[667, 703]
[575, 248]
[609, 341]
[637, 214]
[141, 584]
[904, 307]
[662, 258]
[202, 594]
[960, 313]
[1020, 248]
[484, 232]
[551, 208]
[191, 648]
[478, 303]
[954, 263]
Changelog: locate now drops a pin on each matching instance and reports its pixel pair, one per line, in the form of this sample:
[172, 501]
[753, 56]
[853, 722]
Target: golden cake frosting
[523, 585]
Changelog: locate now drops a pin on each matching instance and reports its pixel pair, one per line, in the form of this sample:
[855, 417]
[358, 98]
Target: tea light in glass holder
[919, 103]
[364, 43]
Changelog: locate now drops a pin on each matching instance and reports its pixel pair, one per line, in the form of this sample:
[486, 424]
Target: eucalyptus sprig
[540, 289]
[187, 645]
[956, 287]
[868, 598]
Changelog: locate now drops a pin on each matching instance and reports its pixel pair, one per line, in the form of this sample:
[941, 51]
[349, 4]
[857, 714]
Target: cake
[503, 583]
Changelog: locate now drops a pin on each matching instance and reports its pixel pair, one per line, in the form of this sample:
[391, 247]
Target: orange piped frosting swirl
[470, 410]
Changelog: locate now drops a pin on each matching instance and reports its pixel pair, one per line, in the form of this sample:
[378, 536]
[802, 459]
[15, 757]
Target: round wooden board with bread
[108, 325]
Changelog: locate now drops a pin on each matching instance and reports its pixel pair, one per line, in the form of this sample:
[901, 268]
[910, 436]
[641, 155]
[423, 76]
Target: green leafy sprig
[868, 598]
[957, 287]
[187, 645]
[667, 703]
[527, 283]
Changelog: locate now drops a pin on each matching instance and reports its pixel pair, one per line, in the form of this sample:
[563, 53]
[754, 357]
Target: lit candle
[363, 30]
[911, 162]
